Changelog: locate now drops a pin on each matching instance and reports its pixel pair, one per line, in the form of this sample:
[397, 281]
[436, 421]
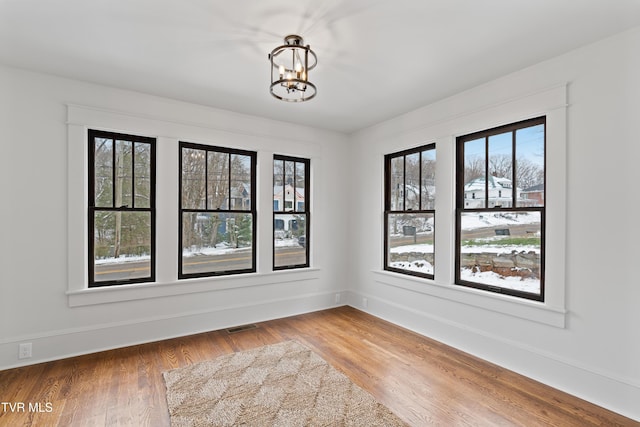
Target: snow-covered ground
[472, 221]
[486, 277]
[476, 221]
[122, 259]
[225, 248]
[469, 222]
[508, 282]
[219, 249]
[495, 248]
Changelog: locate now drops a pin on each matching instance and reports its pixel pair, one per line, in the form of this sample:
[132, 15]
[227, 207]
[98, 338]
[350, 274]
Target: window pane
[289, 180]
[278, 185]
[396, 184]
[290, 207]
[240, 182]
[217, 180]
[428, 180]
[501, 170]
[410, 242]
[300, 186]
[290, 233]
[193, 178]
[412, 182]
[530, 166]
[289, 172]
[122, 245]
[103, 159]
[142, 169]
[501, 249]
[216, 242]
[124, 174]
[474, 173]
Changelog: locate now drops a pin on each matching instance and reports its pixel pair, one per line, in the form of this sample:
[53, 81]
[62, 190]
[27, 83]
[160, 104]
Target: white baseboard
[603, 389]
[60, 344]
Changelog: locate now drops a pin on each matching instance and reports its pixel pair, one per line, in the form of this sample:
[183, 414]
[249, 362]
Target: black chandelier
[290, 66]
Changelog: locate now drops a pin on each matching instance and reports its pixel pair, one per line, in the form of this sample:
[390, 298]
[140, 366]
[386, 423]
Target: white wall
[42, 123]
[590, 343]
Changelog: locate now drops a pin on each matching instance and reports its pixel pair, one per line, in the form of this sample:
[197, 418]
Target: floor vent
[241, 329]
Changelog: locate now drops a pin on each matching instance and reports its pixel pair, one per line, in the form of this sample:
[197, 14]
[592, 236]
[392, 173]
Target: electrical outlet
[24, 351]
[337, 298]
[365, 302]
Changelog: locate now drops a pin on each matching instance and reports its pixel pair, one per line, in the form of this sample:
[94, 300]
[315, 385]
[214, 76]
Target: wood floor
[424, 382]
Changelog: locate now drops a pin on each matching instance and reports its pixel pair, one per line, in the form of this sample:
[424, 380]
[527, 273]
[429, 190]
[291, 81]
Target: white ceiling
[376, 58]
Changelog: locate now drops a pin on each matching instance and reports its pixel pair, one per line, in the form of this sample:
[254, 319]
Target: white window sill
[508, 305]
[119, 293]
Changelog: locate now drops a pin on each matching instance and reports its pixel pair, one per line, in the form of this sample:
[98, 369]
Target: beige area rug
[283, 384]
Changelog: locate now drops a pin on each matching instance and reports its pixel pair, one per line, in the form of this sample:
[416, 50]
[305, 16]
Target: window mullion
[420, 180]
[282, 177]
[295, 176]
[284, 186]
[229, 181]
[133, 174]
[293, 187]
[514, 166]
[113, 172]
[404, 183]
[206, 179]
[487, 171]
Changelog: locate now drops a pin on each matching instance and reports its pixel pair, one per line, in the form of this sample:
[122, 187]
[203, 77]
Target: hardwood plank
[423, 381]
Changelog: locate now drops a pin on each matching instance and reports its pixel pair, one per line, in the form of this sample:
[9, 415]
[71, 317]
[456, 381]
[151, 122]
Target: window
[500, 228]
[217, 211]
[410, 211]
[291, 223]
[121, 226]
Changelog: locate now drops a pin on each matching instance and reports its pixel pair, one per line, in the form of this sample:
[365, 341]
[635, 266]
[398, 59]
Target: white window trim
[552, 103]
[109, 294]
[82, 118]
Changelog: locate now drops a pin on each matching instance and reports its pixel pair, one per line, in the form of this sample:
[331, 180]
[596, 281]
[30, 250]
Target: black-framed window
[291, 212]
[217, 230]
[500, 209]
[121, 208]
[409, 216]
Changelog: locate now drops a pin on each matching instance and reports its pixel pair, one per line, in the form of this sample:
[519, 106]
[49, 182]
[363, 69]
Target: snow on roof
[494, 182]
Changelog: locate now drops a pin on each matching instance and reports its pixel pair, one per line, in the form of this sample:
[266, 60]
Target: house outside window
[409, 219]
[121, 209]
[500, 229]
[291, 212]
[217, 211]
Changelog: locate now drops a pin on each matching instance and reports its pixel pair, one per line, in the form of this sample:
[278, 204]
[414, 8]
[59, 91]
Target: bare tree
[501, 166]
[474, 168]
[214, 182]
[528, 173]
[193, 191]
